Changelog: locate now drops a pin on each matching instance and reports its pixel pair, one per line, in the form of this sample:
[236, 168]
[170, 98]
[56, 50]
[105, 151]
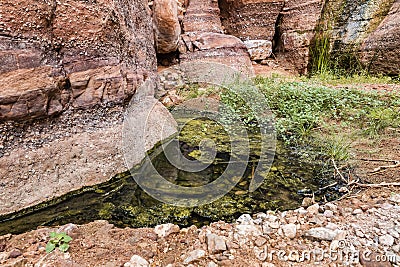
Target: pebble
[267, 264]
[313, 209]
[260, 241]
[301, 211]
[359, 233]
[165, 230]
[246, 230]
[15, 253]
[331, 206]
[3, 256]
[68, 229]
[321, 233]
[357, 211]
[393, 233]
[328, 213]
[245, 219]
[289, 230]
[274, 225]
[307, 201]
[386, 240]
[386, 206]
[194, 256]
[395, 198]
[215, 243]
[331, 226]
[137, 261]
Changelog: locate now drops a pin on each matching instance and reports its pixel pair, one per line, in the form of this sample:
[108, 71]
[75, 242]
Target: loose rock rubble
[353, 233]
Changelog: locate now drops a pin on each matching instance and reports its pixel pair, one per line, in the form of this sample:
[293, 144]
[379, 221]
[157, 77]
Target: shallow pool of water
[122, 202]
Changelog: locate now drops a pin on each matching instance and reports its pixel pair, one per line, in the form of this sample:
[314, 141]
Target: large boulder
[166, 25]
[108, 42]
[380, 51]
[216, 47]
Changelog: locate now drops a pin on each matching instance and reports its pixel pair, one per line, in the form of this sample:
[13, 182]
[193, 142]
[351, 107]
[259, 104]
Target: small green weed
[379, 119]
[58, 240]
[303, 110]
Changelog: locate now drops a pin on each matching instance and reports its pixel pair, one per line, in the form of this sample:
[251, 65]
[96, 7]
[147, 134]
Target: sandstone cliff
[57, 54]
[60, 54]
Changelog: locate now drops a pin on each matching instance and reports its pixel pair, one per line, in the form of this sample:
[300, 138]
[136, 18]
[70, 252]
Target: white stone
[386, 240]
[331, 206]
[215, 243]
[290, 230]
[274, 225]
[313, 209]
[246, 230]
[386, 206]
[262, 216]
[245, 219]
[359, 233]
[137, 261]
[393, 233]
[395, 198]
[194, 256]
[165, 230]
[357, 211]
[322, 233]
[301, 210]
[328, 213]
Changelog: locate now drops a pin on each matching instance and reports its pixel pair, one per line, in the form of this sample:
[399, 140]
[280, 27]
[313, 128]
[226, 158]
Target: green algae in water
[122, 202]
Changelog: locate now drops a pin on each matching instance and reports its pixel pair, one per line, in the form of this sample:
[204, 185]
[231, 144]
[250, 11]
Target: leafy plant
[58, 240]
[381, 118]
[313, 115]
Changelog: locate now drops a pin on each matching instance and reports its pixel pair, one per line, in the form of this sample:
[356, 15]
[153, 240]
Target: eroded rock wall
[352, 24]
[380, 51]
[296, 30]
[57, 54]
[288, 25]
[291, 25]
[251, 19]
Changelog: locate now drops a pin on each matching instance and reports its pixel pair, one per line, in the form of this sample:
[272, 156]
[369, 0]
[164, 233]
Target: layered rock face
[204, 39]
[251, 19]
[202, 16]
[380, 51]
[288, 25]
[57, 54]
[296, 31]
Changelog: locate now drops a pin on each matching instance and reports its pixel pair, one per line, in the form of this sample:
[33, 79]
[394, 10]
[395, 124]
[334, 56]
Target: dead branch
[381, 168]
[340, 174]
[383, 184]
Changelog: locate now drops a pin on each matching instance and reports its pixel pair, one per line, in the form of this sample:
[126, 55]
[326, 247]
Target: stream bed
[122, 202]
